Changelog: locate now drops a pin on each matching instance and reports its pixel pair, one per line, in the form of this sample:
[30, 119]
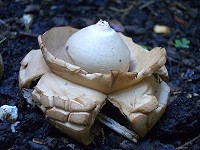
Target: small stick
[121, 10]
[4, 23]
[131, 135]
[187, 143]
[28, 34]
[124, 10]
[3, 40]
[146, 4]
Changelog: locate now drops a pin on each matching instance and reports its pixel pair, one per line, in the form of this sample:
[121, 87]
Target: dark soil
[181, 121]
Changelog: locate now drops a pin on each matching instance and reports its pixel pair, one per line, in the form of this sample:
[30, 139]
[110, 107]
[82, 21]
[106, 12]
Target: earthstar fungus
[71, 94]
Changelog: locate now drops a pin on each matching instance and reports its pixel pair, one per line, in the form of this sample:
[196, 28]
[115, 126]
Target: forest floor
[179, 127]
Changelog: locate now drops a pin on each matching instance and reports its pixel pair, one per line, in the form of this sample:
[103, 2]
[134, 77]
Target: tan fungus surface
[142, 64]
[71, 98]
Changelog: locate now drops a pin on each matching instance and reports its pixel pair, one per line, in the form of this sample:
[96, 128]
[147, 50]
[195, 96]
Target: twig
[4, 23]
[28, 34]
[121, 10]
[103, 136]
[131, 135]
[146, 4]
[124, 11]
[187, 143]
[3, 40]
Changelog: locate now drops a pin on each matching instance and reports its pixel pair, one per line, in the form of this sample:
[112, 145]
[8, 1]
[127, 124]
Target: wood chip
[161, 29]
[110, 123]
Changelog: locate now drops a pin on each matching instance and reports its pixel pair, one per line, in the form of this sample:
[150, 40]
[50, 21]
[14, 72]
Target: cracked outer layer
[70, 107]
[71, 99]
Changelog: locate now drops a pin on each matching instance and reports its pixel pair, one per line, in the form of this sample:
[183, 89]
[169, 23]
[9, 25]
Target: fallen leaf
[182, 43]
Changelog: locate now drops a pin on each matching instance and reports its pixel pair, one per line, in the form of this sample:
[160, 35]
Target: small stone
[189, 95]
[9, 113]
[27, 20]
